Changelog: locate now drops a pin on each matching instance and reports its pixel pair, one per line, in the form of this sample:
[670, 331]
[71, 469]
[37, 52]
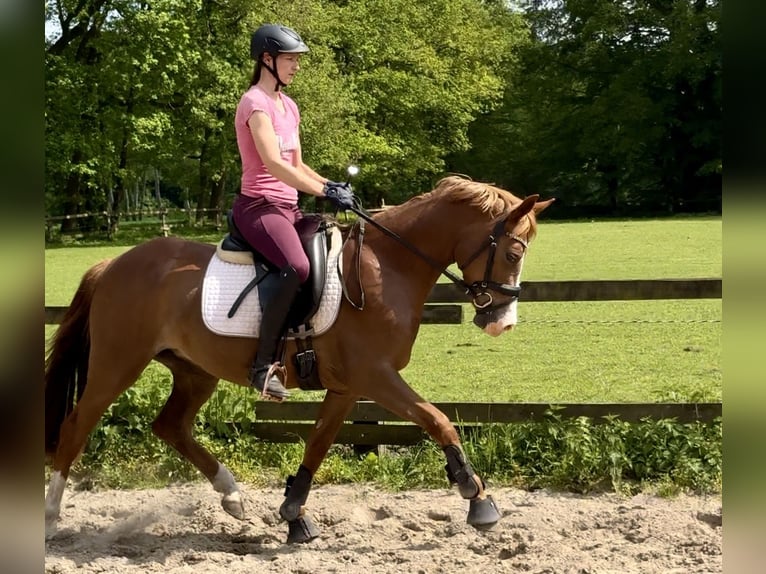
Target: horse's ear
[520, 211]
[540, 205]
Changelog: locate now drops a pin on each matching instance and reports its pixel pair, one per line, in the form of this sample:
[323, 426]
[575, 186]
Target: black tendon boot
[263, 373]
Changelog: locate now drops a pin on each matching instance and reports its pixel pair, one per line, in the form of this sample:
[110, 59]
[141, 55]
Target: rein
[482, 299]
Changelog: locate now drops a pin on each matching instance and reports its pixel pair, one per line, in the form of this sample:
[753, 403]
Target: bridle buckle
[478, 305]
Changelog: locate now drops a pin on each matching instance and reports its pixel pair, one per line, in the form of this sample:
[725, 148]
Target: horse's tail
[66, 363]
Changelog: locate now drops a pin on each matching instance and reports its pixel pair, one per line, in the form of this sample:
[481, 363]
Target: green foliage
[615, 108]
[571, 454]
[421, 72]
[579, 455]
[152, 89]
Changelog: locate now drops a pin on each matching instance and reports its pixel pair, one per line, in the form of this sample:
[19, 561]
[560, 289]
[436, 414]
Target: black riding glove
[340, 194]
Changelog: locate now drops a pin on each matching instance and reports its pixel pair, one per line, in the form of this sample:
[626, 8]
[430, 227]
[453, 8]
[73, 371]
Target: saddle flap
[309, 225]
[315, 246]
[314, 236]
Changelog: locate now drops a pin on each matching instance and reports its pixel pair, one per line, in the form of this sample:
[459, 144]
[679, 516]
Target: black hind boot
[264, 371]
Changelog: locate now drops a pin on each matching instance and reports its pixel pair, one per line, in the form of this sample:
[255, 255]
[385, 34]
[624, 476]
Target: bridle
[482, 298]
[479, 290]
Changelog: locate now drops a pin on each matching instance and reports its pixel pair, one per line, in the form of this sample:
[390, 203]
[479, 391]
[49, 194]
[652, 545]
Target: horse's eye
[512, 257]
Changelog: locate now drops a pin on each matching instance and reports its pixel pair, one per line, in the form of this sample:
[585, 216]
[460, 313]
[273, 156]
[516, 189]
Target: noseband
[479, 290]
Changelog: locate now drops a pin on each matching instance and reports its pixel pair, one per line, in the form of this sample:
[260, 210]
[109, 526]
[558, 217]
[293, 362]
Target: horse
[145, 304]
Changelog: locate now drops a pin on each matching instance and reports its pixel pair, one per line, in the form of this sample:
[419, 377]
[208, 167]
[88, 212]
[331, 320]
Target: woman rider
[266, 209]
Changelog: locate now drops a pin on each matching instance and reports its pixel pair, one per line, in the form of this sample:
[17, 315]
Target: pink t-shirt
[256, 179]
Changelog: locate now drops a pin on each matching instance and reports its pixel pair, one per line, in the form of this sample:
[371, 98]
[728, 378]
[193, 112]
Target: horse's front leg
[333, 411]
[394, 394]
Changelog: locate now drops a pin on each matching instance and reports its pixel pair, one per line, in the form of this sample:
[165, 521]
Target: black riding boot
[273, 325]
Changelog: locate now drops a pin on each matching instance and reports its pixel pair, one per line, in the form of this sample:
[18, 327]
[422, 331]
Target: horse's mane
[490, 199]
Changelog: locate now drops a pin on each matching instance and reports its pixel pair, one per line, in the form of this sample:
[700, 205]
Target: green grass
[65, 267]
[635, 351]
[598, 352]
[643, 249]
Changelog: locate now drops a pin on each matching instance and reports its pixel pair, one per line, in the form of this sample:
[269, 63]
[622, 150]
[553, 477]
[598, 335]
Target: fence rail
[167, 211]
[600, 290]
[443, 302]
[368, 424]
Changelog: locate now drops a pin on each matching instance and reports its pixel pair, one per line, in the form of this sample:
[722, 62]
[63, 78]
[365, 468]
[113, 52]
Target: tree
[421, 71]
[135, 87]
[113, 78]
[615, 108]
[71, 107]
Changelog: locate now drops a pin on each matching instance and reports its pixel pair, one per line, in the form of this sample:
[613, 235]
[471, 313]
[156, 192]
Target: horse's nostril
[509, 328]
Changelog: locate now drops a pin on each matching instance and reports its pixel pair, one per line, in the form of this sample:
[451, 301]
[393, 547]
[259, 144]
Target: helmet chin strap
[274, 73]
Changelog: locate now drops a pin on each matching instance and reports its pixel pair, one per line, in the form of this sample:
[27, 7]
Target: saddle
[315, 234]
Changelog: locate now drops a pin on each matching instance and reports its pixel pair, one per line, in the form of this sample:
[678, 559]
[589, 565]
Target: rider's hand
[340, 194]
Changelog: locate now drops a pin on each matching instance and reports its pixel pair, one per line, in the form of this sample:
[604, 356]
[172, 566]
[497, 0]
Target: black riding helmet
[275, 39]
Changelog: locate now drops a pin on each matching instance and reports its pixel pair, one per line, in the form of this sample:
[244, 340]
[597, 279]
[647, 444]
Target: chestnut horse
[145, 305]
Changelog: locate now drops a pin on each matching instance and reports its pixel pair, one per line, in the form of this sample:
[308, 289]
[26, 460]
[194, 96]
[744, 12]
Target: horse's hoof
[301, 530]
[232, 504]
[51, 527]
[483, 514]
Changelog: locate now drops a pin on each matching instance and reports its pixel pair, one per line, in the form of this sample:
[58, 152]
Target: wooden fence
[108, 220]
[443, 304]
[369, 424]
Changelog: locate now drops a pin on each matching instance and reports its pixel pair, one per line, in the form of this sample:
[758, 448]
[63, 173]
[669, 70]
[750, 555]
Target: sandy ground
[183, 529]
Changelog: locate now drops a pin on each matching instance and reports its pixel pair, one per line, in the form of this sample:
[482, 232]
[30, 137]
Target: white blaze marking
[509, 316]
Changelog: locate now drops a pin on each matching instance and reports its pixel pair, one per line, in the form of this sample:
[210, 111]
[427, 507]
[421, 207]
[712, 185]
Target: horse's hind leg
[393, 393]
[105, 383]
[192, 387]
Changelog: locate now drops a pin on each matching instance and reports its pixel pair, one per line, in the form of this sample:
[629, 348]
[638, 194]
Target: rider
[266, 209]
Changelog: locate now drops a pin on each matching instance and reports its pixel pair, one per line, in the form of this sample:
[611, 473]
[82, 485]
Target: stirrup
[279, 371]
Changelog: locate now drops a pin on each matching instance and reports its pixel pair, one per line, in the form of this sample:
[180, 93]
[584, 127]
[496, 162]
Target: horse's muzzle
[495, 321]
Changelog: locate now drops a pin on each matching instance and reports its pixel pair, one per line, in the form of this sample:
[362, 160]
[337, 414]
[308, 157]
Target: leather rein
[479, 290]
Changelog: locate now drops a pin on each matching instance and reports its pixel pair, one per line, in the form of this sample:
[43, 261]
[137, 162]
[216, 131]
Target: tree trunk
[72, 196]
[216, 196]
[203, 197]
[119, 187]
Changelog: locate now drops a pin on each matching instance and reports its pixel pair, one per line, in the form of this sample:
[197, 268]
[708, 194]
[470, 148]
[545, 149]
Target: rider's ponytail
[256, 73]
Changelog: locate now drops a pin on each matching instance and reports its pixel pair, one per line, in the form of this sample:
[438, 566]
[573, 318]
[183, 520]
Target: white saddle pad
[225, 281]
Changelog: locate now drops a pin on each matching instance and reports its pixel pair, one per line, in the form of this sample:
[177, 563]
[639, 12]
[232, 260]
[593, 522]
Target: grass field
[637, 351]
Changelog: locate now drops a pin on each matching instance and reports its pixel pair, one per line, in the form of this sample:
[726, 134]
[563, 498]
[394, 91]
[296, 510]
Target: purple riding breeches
[270, 228]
